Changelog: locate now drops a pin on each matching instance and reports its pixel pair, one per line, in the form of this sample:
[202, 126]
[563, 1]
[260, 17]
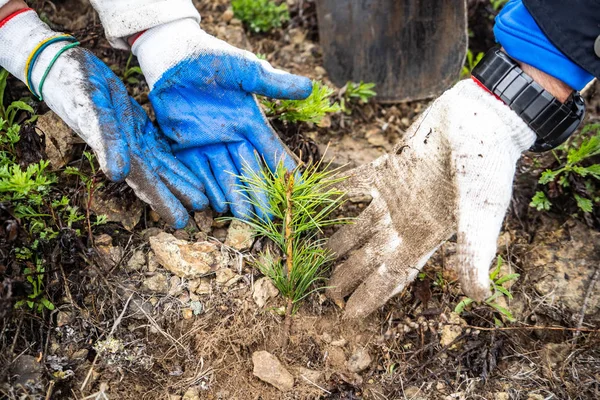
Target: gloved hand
[93, 101]
[453, 174]
[202, 91]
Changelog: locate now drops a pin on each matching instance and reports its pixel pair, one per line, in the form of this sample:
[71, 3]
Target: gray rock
[185, 259]
[27, 373]
[269, 369]
[264, 290]
[240, 236]
[359, 361]
[156, 284]
[137, 261]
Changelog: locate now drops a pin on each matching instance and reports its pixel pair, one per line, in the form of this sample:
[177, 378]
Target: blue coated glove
[93, 101]
[202, 91]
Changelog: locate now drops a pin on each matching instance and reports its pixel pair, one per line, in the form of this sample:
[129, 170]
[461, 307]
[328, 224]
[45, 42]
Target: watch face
[552, 121]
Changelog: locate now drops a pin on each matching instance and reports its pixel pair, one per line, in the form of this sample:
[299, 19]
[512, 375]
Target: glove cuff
[122, 19]
[162, 47]
[19, 37]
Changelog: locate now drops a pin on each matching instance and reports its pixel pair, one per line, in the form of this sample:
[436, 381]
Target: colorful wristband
[67, 47]
[36, 53]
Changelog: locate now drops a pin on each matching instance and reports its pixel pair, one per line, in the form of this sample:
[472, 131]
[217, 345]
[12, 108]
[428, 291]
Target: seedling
[470, 63]
[356, 93]
[574, 162]
[261, 15]
[301, 205]
[312, 109]
[499, 291]
[129, 75]
[36, 301]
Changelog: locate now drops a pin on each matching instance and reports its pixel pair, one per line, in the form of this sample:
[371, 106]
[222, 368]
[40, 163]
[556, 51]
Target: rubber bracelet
[11, 16]
[67, 47]
[36, 53]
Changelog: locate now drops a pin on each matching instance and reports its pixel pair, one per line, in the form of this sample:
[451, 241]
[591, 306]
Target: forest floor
[123, 327]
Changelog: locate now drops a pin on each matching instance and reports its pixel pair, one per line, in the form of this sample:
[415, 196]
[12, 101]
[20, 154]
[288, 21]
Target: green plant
[574, 162]
[301, 205]
[36, 300]
[356, 92]
[129, 73]
[470, 63]
[312, 109]
[498, 291]
[498, 4]
[261, 15]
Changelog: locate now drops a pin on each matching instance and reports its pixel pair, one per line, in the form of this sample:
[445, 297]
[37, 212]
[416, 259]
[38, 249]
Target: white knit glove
[124, 18]
[453, 174]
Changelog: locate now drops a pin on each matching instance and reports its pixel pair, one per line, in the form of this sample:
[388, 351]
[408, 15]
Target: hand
[202, 91]
[92, 100]
[453, 175]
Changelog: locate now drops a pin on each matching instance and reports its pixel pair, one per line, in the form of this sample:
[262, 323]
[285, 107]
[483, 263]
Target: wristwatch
[552, 121]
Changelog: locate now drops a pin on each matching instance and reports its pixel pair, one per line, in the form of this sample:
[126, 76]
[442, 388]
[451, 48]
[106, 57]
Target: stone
[359, 361]
[240, 236]
[452, 330]
[63, 318]
[137, 262]
[376, 138]
[561, 262]
[200, 286]
[107, 255]
[312, 376]
[336, 357]
[59, 139]
[192, 394]
[150, 232]
[185, 259]
[127, 213]
[224, 276]
[339, 343]
[220, 234]
[264, 290]
[269, 369]
[156, 284]
[175, 286]
[227, 15]
[204, 220]
[152, 262]
[501, 396]
[187, 313]
[320, 71]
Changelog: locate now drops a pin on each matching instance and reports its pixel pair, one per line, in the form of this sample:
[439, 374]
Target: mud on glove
[93, 101]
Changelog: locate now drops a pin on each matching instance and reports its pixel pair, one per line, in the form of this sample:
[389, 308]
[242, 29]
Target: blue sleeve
[523, 40]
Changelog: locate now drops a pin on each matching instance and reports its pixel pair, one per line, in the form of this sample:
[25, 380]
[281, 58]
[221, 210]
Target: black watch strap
[552, 121]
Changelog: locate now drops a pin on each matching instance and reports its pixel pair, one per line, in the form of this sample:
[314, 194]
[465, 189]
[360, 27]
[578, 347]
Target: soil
[125, 328]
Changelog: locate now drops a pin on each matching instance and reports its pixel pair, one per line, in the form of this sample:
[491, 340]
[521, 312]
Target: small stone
[107, 255]
[359, 361]
[453, 330]
[150, 232]
[184, 298]
[326, 337]
[204, 220]
[174, 397]
[137, 261]
[339, 343]
[376, 138]
[264, 290]
[184, 259]
[320, 71]
[336, 357]
[187, 313]
[411, 391]
[192, 394]
[181, 234]
[225, 275]
[501, 396]
[312, 376]
[220, 234]
[240, 236]
[269, 369]
[63, 318]
[156, 284]
[175, 286]
[152, 262]
[227, 15]
[59, 139]
[80, 354]
[27, 373]
[200, 286]
[127, 213]
[103, 240]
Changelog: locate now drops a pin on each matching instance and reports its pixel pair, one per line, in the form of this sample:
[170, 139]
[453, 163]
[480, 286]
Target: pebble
[137, 261]
[269, 369]
[264, 290]
[156, 284]
[359, 361]
[240, 236]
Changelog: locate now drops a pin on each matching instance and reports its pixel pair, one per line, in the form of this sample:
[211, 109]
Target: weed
[301, 205]
[356, 92]
[574, 163]
[498, 4]
[261, 15]
[470, 63]
[36, 300]
[312, 109]
[129, 74]
[499, 291]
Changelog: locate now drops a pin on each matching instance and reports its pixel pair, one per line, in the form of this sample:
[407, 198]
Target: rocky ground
[147, 312]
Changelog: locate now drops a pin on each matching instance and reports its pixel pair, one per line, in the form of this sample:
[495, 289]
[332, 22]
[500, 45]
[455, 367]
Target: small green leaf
[507, 278]
[584, 204]
[460, 307]
[506, 313]
[540, 202]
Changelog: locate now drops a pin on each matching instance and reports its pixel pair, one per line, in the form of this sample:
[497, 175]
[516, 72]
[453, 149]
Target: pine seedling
[301, 205]
[312, 109]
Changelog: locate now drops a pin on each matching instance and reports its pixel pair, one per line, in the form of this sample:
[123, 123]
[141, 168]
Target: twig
[289, 262]
[586, 300]
[315, 385]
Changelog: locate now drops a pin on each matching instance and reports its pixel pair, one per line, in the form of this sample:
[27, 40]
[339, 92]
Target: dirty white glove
[124, 18]
[453, 174]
